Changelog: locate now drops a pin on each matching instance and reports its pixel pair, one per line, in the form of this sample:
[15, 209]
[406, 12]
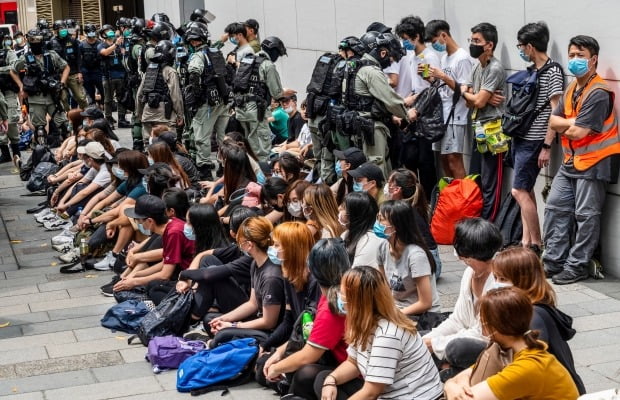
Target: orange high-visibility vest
[591, 149]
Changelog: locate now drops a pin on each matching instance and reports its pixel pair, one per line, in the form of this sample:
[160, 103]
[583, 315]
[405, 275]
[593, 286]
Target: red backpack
[461, 198]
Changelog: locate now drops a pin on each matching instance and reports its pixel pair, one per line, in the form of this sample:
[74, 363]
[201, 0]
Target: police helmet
[397, 51]
[104, 29]
[43, 24]
[58, 24]
[17, 33]
[34, 36]
[160, 17]
[123, 22]
[369, 40]
[196, 31]
[70, 23]
[201, 15]
[273, 44]
[90, 28]
[160, 31]
[352, 43]
[137, 25]
[164, 53]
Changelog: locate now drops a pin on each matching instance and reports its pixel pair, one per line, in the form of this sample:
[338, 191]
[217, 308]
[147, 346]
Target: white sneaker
[63, 247]
[57, 225]
[47, 217]
[41, 213]
[107, 262]
[72, 256]
[65, 236]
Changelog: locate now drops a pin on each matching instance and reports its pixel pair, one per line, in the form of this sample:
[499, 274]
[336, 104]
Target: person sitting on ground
[522, 268]
[346, 161]
[385, 348]
[272, 197]
[170, 138]
[278, 122]
[160, 152]
[358, 214]
[293, 200]
[301, 147]
[369, 178]
[321, 212]
[458, 341]
[534, 373]
[287, 167]
[325, 348]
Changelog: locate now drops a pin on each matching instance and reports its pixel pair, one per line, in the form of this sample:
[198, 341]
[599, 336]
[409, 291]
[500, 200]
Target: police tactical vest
[143, 62]
[91, 60]
[325, 84]
[351, 100]
[155, 89]
[213, 79]
[68, 50]
[113, 62]
[6, 82]
[247, 80]
[35, 75]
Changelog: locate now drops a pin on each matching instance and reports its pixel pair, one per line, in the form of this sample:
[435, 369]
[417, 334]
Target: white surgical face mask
[289, 109]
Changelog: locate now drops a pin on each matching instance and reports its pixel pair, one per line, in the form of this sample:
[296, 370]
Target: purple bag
[168, 352]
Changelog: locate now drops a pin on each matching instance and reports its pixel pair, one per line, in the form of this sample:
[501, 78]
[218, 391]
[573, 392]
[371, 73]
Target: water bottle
[79, 211]
[306, 324]
[84, 250]
[481, 137]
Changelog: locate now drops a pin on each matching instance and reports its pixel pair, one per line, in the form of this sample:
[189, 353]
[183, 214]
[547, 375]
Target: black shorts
[525, 158]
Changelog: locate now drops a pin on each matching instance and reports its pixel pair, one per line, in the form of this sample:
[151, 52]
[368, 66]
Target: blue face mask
[499, 285]
[524, 56]
[110, 34]
[119, 173]
[578, 66]
[63, 33]
[151, 162]
[408, 45]
[189, 233]
[379, 229]
[272, 253]
[438, 46]
[340, 304]
[358, 187]
[338, 169]
[260, 178]
[233, 41]
[144, 231]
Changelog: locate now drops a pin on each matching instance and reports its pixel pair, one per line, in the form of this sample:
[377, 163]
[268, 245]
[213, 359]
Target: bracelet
[233, 324]
[330, 376]
[329, 384]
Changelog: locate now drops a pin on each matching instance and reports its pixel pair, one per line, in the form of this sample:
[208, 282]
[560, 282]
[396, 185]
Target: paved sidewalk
[55, 348]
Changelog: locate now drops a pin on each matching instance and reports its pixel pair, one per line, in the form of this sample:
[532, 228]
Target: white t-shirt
[427, 56]
[457, 66]
[305, 137]
[399, 360]
[366, 249]
[403, 70]
[102, 178]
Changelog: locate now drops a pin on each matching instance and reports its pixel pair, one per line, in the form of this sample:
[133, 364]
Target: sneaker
[150, 305]
[63, 247]
[567, 277]
[58, 225]
[198, 333]
[72, 268]
[595, 269]
[107, 262]
[107, 289]
[52, 216]
[72, 256]
[43, 212]
[65, 236]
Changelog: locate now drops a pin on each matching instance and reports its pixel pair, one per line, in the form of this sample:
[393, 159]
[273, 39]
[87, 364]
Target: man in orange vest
[586, 121]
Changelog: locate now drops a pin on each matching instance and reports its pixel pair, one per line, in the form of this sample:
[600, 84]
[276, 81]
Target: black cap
[104, 125]
[378, 27]
[170, 138]
[92, 112]
[147, 206]
[369, 171]
[352, 155]
[252, 23]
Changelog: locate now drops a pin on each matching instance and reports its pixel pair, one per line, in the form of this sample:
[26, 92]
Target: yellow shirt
[533, 374]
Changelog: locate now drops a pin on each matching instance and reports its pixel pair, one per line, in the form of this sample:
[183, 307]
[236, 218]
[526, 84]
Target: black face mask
[476, 50]
[36, 48]
[273, 54]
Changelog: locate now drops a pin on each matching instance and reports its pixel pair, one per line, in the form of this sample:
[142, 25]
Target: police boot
[5, 155]
[40, 136]
[16, 154]
[138, 144]
[205, 172]
[123, 123]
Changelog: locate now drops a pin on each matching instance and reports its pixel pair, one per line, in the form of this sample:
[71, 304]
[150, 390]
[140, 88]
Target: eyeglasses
[475, 41]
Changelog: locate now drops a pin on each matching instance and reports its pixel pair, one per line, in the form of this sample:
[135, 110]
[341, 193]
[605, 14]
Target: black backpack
[508, 221]
[521, 111]
[430, 124]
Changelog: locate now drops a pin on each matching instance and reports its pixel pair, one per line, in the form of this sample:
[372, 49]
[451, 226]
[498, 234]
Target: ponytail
[531, 340]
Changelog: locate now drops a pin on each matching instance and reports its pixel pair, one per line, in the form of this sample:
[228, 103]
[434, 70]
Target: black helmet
[274, 47]
[123, 22]
[201, 15]
[70, 23]
[196, 31]
[58, 24]
[164, 53]
[369, 40]
[160, 17]
[104, 28]
[17, 33]
[88, 28]
[43, 24]
[34, 36]
[397, 51]
[161, 31]
[352, 43]
[137, 25]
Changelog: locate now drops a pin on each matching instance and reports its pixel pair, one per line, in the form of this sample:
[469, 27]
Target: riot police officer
[160, 31]
[255, 83]
[207, 94]
[92, 75]
[9, 134]
[69, 49]
[159, 99]
[45, 75]
[111, 51]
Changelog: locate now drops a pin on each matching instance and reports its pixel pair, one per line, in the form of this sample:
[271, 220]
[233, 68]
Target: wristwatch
[546, 146]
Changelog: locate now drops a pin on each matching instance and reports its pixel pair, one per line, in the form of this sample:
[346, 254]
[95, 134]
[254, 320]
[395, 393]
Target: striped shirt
[551, 84]
[399, 360]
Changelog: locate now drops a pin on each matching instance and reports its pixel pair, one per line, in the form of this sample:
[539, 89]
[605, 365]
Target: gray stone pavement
[55, 348]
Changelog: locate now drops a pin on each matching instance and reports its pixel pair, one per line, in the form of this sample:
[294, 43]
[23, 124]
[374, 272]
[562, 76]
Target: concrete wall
[309, 28]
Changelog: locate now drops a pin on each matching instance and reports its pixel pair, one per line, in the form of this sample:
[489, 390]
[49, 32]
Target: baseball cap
[369, 171]
[104, 125]
[92, 112]
[288, 94]
[147, 206]
[169, 137]
[93, 150]
[352, 155]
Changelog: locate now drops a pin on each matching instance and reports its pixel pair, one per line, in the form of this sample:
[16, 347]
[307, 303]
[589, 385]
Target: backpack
[521, 111]
[429, 124]
[125, 316]
[38, 178]
[170, 317]
[168, 352]
[461, 198]
[40, 153]
[229, 364]
[508, 221]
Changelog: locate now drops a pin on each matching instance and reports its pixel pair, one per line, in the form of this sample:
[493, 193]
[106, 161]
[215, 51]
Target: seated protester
[295, 122]
[150, 214]
[358, 214]
[521, 267]
[221, 273]
[104, 126]
[177, 203]
[534, 373]
[325, 348]
[108, 144]
[264, 311]
[237, 138]
[301, 146]
[403, 184]
[346, 161]
[186, 163]
[385, 348]
[68, 176]
[457, 341]
[287, 167]
[369, 178]
[293, 200]
[278, 122]
[160, 152]
[272, 197]
[406, 261]
[292, 242]
[159, 177]
[321, 212]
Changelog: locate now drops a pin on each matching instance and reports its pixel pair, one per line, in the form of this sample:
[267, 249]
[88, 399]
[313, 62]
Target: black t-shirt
[228, 253]
[295, 123]
[190, 170]
[268, 285]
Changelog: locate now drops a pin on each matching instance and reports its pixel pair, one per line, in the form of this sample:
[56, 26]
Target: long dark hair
[130, 161]
[412, 190]
[237, 170]
[327, 262]
[401, 216]
[161, 152]
[176, 199]
[240, 140]
[362, 210]
[210, 233]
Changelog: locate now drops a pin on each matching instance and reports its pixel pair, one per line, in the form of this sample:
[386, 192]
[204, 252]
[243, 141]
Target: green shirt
[280, 124]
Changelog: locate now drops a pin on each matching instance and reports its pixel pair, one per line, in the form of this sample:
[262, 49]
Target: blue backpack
[229, 364]
[125, 316]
